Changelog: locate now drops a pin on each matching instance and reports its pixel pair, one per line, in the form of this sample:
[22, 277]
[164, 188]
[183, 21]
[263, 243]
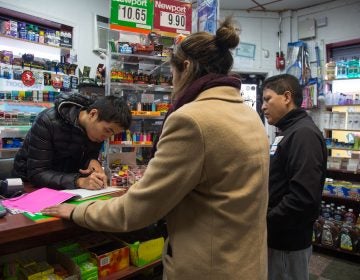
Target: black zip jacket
[297, 175]
[56, 147]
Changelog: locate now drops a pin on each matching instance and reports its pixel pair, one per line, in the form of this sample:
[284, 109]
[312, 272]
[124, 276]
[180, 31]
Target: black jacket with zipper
[56, 147]
[297, 175]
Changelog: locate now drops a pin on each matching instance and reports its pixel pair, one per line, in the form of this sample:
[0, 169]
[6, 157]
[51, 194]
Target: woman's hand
[63, 210]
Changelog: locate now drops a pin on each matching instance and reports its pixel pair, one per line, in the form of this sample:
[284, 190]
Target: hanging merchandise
[280, 61]
[298, 61]
[310, 95]
[208, 11]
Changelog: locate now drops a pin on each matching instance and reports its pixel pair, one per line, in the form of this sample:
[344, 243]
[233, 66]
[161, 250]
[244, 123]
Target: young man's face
[99, 131]
[275, 106]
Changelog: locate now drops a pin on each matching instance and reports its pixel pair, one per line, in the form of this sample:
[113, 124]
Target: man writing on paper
[60, 150]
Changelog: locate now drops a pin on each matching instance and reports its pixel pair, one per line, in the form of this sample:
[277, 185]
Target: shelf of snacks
[130, 271]
[141, 73]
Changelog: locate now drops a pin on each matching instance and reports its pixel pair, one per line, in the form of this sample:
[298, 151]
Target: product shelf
[142, 56]
[142, 87]
[343, 171]
[337, 249]
[339, 129]
[341, 79]
[130, 271]
[340, 198]
[36, 43]
[345, 105]
[131, 145]
[9, 149]
[343, 149]
[142, 117]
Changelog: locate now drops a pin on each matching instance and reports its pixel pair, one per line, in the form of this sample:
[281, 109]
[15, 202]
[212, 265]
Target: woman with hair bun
[208, 176]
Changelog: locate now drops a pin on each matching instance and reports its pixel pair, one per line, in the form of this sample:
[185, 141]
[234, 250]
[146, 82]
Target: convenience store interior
[330, 29]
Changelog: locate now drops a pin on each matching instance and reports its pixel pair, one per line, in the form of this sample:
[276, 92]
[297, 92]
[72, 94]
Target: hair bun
[227, 35]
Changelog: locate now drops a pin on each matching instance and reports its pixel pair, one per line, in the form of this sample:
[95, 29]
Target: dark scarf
[192, 91]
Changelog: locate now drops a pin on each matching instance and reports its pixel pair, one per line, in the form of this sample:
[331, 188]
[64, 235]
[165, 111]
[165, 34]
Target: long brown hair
[206, 52]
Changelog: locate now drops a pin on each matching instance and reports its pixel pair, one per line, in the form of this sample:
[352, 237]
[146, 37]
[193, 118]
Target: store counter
[18, 232]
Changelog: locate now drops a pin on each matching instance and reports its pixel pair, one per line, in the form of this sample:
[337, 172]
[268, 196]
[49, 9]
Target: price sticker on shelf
[172, 20]
[133, 16]
[172, 17]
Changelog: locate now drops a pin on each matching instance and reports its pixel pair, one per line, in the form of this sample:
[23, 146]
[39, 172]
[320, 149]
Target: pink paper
[37, 200]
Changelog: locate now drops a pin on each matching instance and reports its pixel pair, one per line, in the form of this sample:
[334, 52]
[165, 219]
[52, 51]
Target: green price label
[132, 14]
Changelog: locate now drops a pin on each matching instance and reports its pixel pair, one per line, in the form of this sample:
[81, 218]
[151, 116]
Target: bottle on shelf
[346, 237]
[327, 212]
[353, 68]
[350, 217]
[338, 214]
[42, 36]
[330, 68]
[341, 69]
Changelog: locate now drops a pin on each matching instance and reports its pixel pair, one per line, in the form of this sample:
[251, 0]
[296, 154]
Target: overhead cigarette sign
[132, 15]
[172, 17]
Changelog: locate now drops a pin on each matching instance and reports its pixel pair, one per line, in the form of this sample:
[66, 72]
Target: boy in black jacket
[61, 149]
[297, 173]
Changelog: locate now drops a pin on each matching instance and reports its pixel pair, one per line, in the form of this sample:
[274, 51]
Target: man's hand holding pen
[91, 179]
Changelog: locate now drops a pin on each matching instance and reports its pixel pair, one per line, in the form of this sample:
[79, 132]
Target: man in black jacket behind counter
[297, 173]
[61, 149]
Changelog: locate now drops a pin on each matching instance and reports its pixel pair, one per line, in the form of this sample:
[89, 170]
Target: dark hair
[112, 109]
[285, 82]
[206, 52]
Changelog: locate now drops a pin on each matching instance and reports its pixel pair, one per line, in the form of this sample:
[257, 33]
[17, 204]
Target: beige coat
[209, 179]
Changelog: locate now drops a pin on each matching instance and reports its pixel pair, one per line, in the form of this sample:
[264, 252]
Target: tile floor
[326, 265]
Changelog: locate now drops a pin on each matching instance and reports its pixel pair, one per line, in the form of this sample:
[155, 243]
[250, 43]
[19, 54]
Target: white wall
[261, 29]
[76, 13]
